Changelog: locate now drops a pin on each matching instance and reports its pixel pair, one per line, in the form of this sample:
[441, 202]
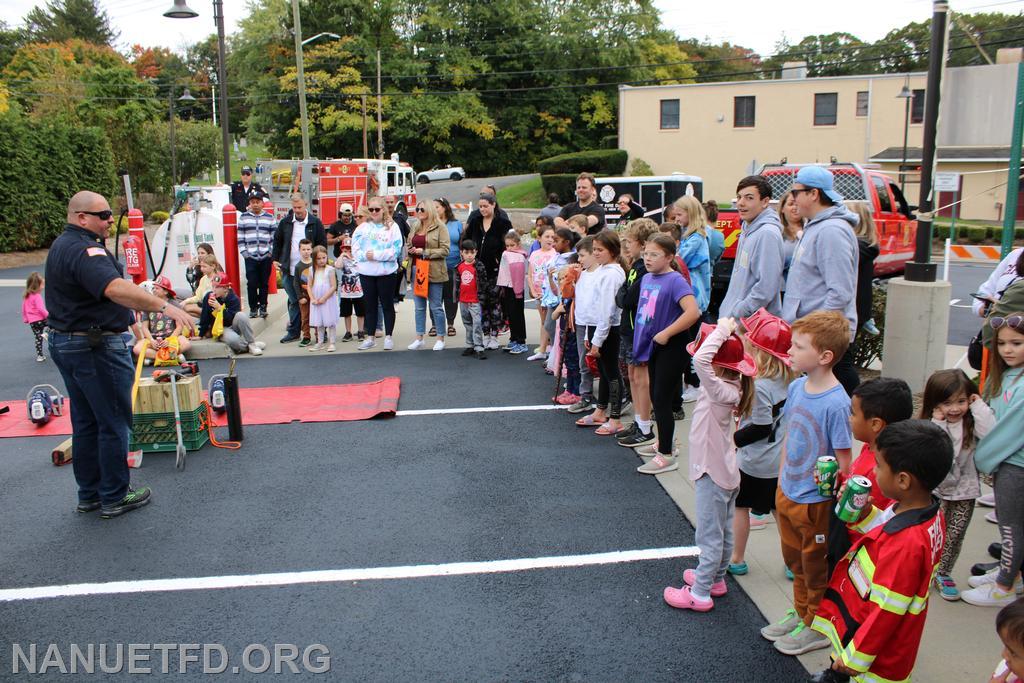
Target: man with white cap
[823, 273]
[345, 225]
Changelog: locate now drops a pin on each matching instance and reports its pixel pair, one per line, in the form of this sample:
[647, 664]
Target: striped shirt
[256, 235]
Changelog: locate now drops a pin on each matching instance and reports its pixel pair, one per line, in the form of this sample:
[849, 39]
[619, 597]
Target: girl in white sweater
[598, 315]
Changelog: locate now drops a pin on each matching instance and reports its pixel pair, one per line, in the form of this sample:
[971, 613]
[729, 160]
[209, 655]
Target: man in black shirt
[242, 190]
[585, 204]
[90, 306]
[345, 225]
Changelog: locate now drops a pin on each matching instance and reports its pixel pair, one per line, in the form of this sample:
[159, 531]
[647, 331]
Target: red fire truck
[329, 183]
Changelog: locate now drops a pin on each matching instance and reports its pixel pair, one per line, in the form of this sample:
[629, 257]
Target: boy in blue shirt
[818, 416]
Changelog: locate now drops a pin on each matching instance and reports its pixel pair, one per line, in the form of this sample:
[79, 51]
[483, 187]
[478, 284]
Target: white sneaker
[315, 347]
[331, 348]
[988, 500]
[389, 343]
[492, 344]
[989, 595]
[659, 464]
[255, 350]
[990, 578]
[416, 344]
[538, 356]
[439, 345]
[368, 343]
[262, 345]
[691, 394]
[991, 517]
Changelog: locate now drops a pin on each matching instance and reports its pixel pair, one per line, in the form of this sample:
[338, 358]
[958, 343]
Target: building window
[743, 112]
[825, 106]
[917, 107]
[670, 114]
[862, 103]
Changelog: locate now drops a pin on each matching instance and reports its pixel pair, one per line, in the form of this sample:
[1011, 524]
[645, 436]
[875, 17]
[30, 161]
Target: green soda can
[827, 468]
[854, 498]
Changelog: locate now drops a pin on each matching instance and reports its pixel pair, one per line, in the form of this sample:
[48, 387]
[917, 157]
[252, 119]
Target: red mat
[260, 406]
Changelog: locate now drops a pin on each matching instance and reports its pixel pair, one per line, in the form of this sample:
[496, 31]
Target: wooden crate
[155, 397]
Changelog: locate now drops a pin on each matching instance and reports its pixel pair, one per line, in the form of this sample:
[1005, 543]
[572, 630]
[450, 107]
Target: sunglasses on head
[102, 215]
[1014, 321]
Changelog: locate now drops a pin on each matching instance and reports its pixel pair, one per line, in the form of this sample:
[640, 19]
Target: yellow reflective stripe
[864, 560]
[731, 238]
[868, 677]
[897, 603]
[855, 659]
[864, 525]
[825, 628]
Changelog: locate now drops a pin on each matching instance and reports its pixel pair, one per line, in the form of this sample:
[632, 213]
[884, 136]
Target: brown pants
[803, 530]
[304, 314]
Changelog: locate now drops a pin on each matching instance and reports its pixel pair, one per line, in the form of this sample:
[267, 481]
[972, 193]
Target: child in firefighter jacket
[874, 609]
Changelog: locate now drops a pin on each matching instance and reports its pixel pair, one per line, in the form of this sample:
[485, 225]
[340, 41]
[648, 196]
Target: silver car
[441, 173]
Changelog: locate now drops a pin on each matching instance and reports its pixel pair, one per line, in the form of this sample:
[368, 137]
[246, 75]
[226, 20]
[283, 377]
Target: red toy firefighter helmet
[769, 333]
[731, 353]
[164, 283]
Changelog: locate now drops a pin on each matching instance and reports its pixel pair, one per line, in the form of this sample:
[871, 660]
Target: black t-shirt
[339, 228]
[591, 209]
[78, 270]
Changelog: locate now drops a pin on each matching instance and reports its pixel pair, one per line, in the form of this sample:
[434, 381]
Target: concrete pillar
[916, 328]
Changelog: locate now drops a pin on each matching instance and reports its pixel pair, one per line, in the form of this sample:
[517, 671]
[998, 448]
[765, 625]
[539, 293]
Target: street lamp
[185, 97]
[307, 41]
[181, 10]
[906, 95]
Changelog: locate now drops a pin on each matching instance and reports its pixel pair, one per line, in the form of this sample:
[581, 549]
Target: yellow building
[724, 131]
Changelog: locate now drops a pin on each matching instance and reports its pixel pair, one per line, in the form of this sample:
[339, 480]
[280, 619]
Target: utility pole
[214, 101]
[380, 124]
[222, 81]
[921, 269]
[365, 147]
[301, 74]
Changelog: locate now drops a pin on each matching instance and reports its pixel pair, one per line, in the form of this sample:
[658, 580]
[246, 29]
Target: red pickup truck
[894, 220]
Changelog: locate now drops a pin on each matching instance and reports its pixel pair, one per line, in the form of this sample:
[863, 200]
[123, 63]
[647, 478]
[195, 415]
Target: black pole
[234, 408]
[920, 269]
[218, 17]
[174, 148]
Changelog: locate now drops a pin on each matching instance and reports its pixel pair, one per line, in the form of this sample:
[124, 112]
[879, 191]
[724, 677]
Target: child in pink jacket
[726, 374]
[33, 310]
[512, 282]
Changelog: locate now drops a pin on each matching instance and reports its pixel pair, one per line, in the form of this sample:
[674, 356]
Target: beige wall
[977, 195]
[706, 143]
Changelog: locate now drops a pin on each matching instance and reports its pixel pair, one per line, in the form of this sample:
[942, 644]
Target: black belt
[105, 333]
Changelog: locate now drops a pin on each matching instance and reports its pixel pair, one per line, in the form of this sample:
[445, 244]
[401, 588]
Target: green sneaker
[305, 342]
[782, 627]
[135, 498]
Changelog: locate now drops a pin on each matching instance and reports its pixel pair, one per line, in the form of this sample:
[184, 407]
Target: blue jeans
[434, 293]
[99, 385]
[294, 312]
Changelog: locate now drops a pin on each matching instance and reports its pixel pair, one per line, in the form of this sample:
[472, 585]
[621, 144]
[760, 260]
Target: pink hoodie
[33, 309]
[711, 448]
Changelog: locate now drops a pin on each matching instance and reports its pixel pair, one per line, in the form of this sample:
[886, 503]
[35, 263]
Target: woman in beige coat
[429, 244]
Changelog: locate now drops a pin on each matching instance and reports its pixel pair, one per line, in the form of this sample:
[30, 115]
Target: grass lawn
[251, 153]
[528, 194]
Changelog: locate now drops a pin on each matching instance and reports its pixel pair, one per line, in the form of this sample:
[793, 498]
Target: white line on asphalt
[343, 575]
[484, 409]
[11, 283]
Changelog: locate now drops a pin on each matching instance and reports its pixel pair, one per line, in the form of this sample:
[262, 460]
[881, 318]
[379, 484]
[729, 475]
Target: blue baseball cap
[820, 179]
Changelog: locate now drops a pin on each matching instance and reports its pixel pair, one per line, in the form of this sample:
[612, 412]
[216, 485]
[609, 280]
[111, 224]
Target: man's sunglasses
[1014, 321]
[102, 215]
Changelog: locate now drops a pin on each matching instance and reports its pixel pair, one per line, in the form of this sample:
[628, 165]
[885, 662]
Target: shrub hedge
[562, 184]
[597, 161]
[45, 163]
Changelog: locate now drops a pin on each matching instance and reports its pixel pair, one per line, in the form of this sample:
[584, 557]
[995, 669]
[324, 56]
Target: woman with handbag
[488, 228]
[428, 250]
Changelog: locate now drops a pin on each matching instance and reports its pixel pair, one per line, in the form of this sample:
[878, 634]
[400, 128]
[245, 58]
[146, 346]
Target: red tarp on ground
[260, 406]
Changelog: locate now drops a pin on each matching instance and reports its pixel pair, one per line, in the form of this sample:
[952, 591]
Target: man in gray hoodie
[756, 279]
[823, 273]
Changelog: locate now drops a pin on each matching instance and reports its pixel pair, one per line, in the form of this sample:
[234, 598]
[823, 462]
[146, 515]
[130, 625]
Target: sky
[142, 21]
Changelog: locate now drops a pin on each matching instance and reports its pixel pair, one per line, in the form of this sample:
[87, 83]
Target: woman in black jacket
[488, 230]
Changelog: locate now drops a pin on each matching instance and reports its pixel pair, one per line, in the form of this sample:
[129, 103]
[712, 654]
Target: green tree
[723, 62]
[833, 54]
[62, 20]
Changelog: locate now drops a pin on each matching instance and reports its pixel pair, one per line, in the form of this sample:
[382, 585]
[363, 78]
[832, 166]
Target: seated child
[157, 327]
[237, 333]
[874, 610]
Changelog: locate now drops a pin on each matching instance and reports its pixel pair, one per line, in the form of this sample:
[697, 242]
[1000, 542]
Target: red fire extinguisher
[135, 247]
